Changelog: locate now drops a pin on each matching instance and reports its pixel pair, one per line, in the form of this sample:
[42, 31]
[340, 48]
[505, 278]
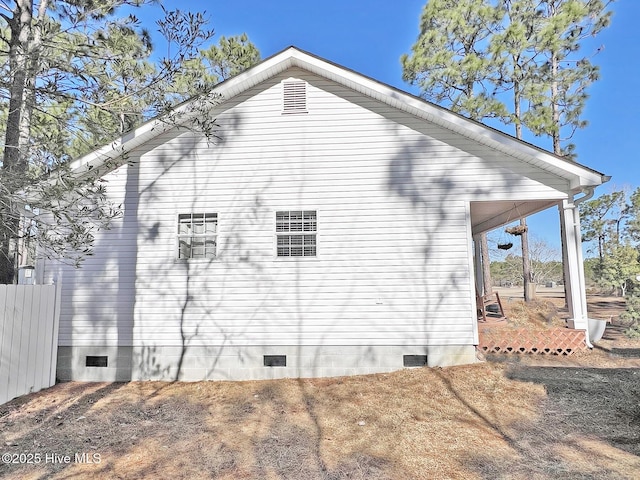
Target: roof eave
[577, 175]
[154, 127]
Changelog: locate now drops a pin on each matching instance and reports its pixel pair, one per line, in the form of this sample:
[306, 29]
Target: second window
[296, 233]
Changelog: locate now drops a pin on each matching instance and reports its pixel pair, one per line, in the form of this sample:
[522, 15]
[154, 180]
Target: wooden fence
[29, 316]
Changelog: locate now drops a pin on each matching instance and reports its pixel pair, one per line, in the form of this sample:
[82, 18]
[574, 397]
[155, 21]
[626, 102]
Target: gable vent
[294, 96]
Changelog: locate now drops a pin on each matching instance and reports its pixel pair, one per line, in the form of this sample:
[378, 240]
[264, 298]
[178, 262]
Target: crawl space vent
[275, 360]
[294, 96]
[96, 361]
[414, 360]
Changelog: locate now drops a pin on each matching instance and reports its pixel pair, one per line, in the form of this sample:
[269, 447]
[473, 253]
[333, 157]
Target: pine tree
[558, 91]
[124, 91]
[611, 221]
[451, 64]
[59, 58]
[601, 219]
[213, 65]
[513, 50]
[450, 61]
[473, 54]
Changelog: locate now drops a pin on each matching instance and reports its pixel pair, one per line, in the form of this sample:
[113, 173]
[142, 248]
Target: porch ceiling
[486, 216]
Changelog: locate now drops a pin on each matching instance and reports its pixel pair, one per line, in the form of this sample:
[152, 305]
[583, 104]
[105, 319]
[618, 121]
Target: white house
[328, 230]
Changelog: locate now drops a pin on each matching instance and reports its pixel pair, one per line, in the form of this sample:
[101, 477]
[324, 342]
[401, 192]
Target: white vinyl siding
[393, 194]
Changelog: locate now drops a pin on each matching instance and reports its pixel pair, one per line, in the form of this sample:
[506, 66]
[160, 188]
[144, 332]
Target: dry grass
[461, 422]
[537, 314]
[516, 419]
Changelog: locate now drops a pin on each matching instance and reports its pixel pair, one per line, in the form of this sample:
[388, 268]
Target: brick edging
[552, 341]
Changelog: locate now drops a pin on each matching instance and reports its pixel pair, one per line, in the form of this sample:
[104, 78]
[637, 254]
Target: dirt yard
[512, 417]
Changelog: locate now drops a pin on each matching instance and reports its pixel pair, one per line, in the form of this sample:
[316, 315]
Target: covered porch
[489, 215]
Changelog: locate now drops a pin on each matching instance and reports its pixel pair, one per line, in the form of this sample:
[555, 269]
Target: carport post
[576, 293]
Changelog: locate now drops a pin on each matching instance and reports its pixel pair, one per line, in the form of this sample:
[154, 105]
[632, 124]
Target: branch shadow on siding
[183, 288]
[104, 295]
[437, 181]
[438, 199]
[430, 188]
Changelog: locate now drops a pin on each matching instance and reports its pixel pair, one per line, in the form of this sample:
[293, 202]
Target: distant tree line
[545, 266]
[611, 230]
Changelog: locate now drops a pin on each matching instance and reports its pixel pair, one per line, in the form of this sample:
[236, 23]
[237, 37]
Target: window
[197, 234]
[296, 233]
[294, 97]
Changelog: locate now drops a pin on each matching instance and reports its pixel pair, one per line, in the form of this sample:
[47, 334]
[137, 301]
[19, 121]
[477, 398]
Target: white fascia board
[117, 147]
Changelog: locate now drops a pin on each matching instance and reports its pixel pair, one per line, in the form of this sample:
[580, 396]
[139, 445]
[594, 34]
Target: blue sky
[369, 36]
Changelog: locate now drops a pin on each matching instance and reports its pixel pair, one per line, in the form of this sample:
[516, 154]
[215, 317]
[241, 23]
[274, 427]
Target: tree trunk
[13, 161]
[20, 28]
[555, 109]
[557, 149]
[524, 238]
[517, 112]
[24, 49]
[526, 262]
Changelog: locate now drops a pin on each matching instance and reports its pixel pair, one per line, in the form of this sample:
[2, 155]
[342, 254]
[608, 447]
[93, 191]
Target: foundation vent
[96, 361]
[414, 360]
[275, 360]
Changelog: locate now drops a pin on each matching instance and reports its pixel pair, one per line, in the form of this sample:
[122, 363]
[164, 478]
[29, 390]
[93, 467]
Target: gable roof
[577, 175]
